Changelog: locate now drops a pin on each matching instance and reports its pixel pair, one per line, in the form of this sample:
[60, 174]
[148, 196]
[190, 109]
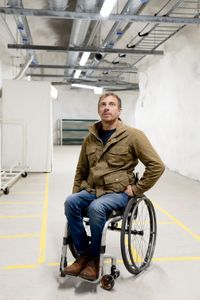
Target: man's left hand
[129, 191]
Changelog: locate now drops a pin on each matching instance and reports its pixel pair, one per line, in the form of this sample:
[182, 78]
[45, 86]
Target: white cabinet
[29, 104]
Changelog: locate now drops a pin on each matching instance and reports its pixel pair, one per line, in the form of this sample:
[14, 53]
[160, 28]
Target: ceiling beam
[84, 68]
[94, 16]
[120, 88]
[84, 49]
[99, 78]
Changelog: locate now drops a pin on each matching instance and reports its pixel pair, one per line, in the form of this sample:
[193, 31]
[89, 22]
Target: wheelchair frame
[138, 239]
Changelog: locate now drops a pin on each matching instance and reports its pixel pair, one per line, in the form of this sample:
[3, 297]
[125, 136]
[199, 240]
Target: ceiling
[47, 38]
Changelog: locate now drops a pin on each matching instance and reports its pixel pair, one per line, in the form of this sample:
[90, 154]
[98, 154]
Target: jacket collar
[121, 128]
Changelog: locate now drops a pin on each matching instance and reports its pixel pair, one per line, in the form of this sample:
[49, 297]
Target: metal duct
[119, 28]
[58, 4]
[23, 70]
[80, 29]
[22, 26]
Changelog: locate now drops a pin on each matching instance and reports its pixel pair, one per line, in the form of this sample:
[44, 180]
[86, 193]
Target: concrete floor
[31, 230]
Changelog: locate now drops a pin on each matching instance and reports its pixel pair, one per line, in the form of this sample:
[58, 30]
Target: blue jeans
[98, 209]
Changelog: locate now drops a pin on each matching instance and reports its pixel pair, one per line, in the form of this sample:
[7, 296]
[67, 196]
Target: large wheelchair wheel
[138, 234]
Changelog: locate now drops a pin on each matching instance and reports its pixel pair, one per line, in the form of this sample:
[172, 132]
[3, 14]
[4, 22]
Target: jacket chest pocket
[92, 155]
[118, 156]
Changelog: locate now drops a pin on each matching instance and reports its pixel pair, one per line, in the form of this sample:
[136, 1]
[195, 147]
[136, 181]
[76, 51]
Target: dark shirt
[105, 134]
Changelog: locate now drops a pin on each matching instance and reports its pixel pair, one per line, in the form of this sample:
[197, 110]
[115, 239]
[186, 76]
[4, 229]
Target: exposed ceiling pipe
[23, 27]
[23, 70]
[119, 28]
[80, 29]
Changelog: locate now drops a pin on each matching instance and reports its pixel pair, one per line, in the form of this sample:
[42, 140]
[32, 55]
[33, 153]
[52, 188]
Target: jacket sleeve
[82, 169]
[154, 166]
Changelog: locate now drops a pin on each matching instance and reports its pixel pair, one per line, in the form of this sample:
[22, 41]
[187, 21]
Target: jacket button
[116, 179]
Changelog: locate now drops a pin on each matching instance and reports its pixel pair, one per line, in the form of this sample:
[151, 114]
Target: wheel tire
[107, 282]
[138, 234]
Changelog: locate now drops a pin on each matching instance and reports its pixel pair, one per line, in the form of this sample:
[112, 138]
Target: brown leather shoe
[77, 266]
[91, 271]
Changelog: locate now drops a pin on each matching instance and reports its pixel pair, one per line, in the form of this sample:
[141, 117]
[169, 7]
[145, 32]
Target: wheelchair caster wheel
[107, 282]
[116, 274]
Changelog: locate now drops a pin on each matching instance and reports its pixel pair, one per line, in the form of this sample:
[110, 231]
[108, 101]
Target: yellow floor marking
[20, 267]
[27, 193]
[19, 202]
[119, 261]
[181, 258]
[21, 235]
[21, 217]
[176, 221]
[42, 251]
[53, 264]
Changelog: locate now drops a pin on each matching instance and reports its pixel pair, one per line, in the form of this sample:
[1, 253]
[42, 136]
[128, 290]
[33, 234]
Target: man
[104, 180]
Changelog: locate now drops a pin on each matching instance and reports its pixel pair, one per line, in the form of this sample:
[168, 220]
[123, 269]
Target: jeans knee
[68, 204]
[96, 211]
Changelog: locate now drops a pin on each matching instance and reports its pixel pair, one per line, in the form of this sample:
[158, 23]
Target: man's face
[108, 109]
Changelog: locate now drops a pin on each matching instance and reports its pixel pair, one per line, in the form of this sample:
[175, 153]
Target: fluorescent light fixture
[84, 86]
[77, 74]
[84, 58]
[107, 7]
[96, 89]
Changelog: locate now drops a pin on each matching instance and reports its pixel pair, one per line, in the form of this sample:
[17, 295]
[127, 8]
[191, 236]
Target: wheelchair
[138, 230]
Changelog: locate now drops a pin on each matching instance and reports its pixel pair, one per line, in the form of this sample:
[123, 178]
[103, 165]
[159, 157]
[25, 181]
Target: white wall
[82, 104]
[169, 103]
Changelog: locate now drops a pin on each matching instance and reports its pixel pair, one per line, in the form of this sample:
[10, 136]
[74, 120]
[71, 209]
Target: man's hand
[129, 191]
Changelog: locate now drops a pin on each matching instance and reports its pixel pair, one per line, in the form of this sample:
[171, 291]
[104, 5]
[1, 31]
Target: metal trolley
[138, 231]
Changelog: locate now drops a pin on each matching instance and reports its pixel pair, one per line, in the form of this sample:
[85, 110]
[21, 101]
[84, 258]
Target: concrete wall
[169, 103]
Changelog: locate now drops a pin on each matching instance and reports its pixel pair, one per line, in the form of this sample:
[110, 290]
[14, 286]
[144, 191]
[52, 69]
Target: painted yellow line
[19, 236]
[53, 264]
[19, 202]
[176, 221]
[181, 258]
[155, 259]
[27, 193]
[21, 217]
[20, 267]
[119, 261]
[42, 250]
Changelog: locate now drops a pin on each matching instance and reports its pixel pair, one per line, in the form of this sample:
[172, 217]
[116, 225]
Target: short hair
[111, 94]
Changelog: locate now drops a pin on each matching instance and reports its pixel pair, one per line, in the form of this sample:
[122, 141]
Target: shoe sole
[88, 277]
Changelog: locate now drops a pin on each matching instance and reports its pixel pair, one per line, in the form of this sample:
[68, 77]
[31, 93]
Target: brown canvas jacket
[105, 169]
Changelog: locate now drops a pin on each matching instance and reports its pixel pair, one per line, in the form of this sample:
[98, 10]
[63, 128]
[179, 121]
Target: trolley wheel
[107, 282]
[24, 174]
[6, 191]
[138, 234]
